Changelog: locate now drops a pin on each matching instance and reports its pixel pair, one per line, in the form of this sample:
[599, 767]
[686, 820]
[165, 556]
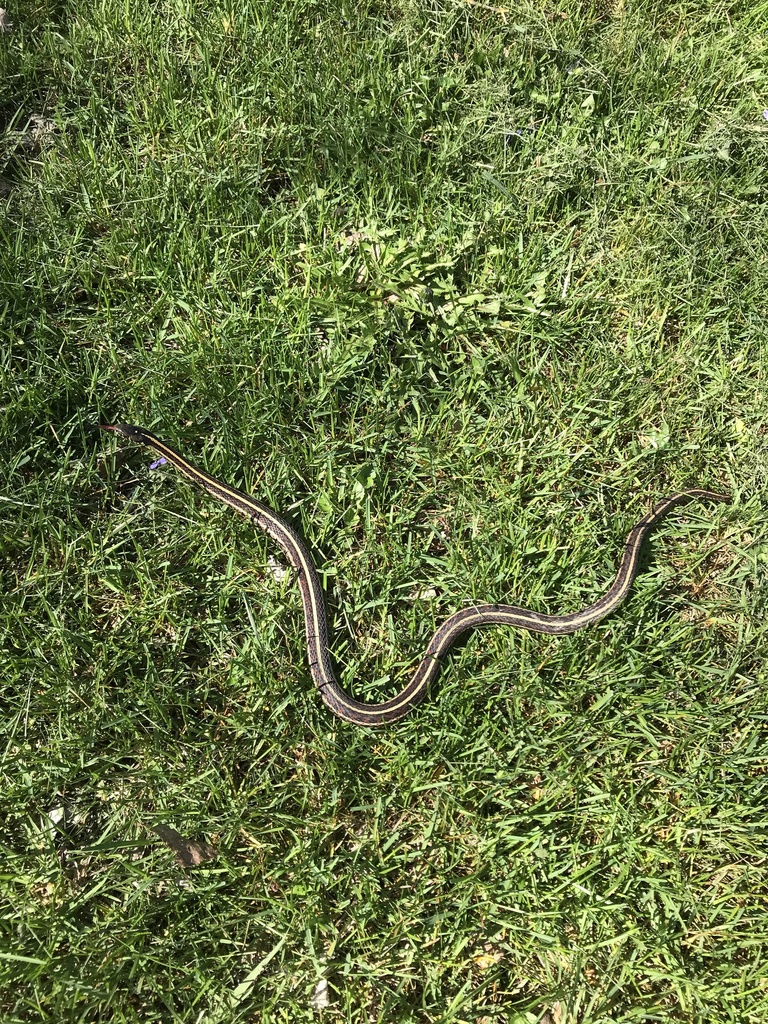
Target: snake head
[126, 429]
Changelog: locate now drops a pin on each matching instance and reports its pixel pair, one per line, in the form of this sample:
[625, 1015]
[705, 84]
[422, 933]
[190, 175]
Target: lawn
[462, 290]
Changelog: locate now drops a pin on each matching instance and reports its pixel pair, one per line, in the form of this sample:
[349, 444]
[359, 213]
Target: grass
[462, 289]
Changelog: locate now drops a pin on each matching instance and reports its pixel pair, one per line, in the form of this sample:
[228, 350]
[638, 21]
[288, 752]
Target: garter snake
[315, 618]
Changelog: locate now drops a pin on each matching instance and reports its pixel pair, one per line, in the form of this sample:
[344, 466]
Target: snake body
[315, 616]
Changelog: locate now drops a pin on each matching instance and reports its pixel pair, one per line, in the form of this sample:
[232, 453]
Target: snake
[336, 698]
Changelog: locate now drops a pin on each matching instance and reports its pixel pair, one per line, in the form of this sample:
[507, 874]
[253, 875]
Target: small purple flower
[159, 462]
[765, 115]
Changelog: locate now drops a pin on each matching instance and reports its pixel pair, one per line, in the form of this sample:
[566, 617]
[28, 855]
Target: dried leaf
[189, 853]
